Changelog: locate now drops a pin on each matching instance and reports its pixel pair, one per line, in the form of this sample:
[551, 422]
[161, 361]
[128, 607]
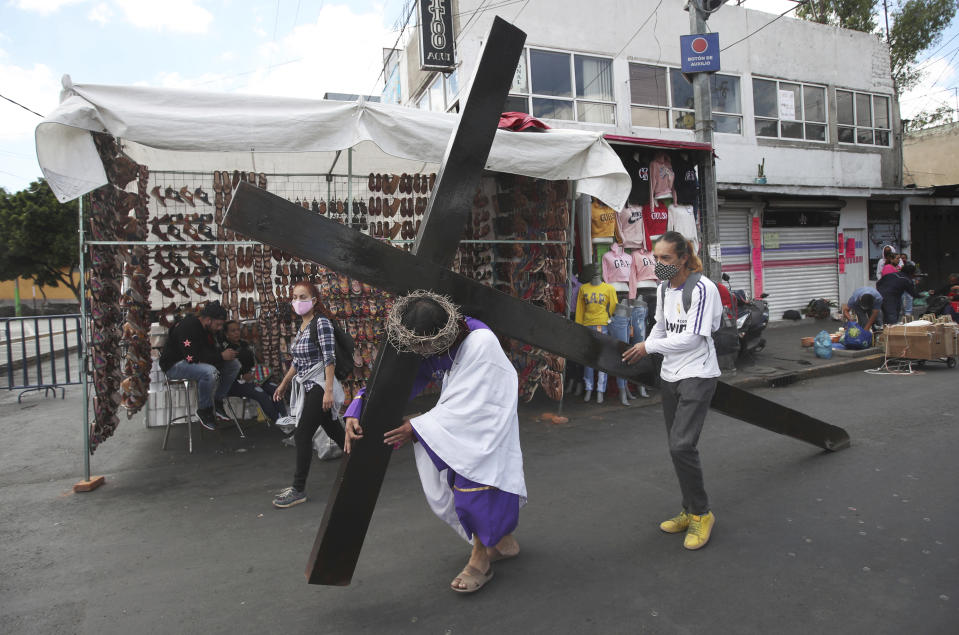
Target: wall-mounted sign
[787, 105]
[771, 240]
[797, 218]
[436, 35]
[700, 52]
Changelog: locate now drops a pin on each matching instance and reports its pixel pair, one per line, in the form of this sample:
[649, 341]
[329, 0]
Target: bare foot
[508, 547]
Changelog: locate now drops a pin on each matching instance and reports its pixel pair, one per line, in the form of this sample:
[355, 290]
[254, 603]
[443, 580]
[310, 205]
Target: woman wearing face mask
[684, 337]
[315, 395]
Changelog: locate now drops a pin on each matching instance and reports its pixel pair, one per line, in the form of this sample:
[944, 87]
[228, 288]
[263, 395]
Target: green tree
[38, 237]
[914, 27]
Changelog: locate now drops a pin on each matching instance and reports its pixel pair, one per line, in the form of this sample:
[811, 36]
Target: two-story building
[807, 134]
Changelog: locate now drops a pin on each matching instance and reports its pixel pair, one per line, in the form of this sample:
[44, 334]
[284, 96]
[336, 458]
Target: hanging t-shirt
[683, 220]
[661, 177]
[655, 221]
[616, 264]
[604, 220]
[595, 303]
[685, 338]
[686, 184]
[643, 269]
[631, 228]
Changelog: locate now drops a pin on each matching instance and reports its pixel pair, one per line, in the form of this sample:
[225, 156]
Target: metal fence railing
[40, 353]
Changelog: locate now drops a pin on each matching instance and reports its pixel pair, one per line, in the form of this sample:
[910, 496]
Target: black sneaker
[206, 417]
[220, 411]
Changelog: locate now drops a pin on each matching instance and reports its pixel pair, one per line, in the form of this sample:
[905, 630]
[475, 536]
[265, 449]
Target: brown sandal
[473, 578]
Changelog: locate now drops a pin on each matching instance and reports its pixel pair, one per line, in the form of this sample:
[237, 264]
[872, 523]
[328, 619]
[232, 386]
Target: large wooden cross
[287, 226]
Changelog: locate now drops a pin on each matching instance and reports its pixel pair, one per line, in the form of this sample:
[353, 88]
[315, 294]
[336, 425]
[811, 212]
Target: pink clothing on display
[644, 268]
[631, 228]
[661, 178]
[655, 222]
[616, 264]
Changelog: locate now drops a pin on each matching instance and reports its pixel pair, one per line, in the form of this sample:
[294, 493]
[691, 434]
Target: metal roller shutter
[734, 238]
[803, 267]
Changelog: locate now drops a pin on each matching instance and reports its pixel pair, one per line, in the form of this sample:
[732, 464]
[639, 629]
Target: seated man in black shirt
[245, 386]
[191, 353]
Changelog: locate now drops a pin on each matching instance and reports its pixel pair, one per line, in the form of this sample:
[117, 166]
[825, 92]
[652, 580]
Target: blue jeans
[263, 395]
[638, 321]
[907, 303]
[588, 373]
[619, 328]
[212, 384]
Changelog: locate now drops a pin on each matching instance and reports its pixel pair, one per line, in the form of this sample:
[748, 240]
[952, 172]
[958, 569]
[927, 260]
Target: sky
[296, 48]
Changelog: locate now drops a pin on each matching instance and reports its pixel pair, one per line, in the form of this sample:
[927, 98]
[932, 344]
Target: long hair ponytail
[683, 247]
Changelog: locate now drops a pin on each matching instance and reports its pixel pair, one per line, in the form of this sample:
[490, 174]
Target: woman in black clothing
[314, 386]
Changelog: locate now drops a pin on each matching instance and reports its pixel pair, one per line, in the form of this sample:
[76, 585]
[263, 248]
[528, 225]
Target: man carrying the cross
[467, 447]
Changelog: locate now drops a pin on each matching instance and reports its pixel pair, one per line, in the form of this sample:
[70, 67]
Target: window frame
[873, 128]
[576, 103]
[804, 121]
[672, 111]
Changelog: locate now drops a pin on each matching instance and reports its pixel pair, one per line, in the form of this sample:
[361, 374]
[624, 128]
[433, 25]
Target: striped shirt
[306, 354]
[685, 338]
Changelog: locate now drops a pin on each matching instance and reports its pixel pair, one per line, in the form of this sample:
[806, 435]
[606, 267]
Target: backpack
[726, 337]
[343, 348]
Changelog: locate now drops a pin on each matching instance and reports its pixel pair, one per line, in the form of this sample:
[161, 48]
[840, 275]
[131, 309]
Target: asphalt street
[859, 541]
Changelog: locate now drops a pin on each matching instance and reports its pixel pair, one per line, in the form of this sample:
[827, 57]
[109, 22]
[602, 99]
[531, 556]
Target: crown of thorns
[408, 341]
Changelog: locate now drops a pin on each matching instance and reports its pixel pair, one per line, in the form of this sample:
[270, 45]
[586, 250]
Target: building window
[556, 85]
[661, 97]
[789, 110]
[862, 118]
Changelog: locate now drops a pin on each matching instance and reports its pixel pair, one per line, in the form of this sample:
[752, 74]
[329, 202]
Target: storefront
[800, 253]
[158, 194]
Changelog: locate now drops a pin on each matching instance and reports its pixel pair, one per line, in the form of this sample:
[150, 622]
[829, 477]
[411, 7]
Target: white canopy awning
[192, 131]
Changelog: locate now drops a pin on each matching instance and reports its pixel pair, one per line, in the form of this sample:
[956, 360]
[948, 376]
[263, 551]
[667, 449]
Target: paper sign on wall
[841, 243]
[851, 247]
[771, 240]
[787, 105]
[757, 232]
[757, 271]
[842, 264]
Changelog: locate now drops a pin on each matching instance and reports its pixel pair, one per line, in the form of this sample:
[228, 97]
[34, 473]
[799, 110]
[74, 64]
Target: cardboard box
[928, 341]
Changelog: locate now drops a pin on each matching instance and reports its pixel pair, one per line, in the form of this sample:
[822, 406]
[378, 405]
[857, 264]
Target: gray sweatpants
[685, 403]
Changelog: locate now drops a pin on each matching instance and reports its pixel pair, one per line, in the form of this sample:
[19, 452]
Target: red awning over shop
[659, 143]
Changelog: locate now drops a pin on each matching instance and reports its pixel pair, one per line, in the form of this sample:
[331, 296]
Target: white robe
[474, 427]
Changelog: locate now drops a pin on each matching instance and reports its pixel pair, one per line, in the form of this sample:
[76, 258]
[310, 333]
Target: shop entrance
[934, 246]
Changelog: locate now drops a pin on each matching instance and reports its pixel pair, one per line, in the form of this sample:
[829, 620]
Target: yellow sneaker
[700, 527]
[676, 524]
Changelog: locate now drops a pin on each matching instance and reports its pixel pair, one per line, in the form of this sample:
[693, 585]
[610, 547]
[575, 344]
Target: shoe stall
[156, 170]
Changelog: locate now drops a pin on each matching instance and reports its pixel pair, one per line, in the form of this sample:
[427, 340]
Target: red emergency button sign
[700, 45]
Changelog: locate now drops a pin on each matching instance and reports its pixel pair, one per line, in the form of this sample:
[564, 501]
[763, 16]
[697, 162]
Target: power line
[929, 60]
[393, 48]
[636, 32]
[22, 106]
[521, 9]
[749, 35]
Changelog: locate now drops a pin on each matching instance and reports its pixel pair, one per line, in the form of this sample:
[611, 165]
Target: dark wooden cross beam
[277, 222]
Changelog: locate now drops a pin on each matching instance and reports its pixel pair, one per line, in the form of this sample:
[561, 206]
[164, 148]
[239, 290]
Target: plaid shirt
[306, 355]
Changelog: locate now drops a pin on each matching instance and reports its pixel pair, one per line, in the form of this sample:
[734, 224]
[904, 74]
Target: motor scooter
[752, 317]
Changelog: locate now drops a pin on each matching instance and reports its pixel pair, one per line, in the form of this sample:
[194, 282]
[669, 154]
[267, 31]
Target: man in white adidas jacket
[683, 335]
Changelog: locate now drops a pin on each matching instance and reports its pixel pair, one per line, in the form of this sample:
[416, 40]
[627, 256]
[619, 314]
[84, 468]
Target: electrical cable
[22, 106]
[749, 35]
[406, 23]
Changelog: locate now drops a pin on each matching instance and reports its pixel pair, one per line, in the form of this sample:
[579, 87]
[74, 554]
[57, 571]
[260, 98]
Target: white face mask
[302, 307]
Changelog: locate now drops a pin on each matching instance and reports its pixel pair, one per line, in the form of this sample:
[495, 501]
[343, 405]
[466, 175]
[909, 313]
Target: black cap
[214, 310]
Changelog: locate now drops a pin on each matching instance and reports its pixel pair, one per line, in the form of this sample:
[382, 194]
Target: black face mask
[666, 272]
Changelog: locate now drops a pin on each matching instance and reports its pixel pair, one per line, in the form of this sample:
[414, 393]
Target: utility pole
[703, 105]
